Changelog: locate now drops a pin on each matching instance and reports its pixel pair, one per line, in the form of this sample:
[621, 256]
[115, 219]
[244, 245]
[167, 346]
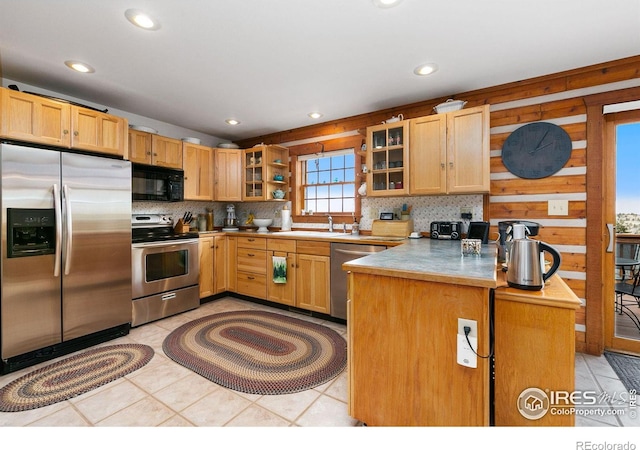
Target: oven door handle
[164, 243]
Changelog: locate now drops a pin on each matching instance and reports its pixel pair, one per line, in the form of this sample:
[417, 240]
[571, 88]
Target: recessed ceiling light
[141, 19]
[232, 121]
[315, 115]
[79, 66]
[386, 3]
[425, 69]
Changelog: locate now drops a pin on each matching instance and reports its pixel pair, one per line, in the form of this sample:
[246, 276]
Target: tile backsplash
[424, 210]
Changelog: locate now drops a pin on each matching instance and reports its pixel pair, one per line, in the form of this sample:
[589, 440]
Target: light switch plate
[558, 207]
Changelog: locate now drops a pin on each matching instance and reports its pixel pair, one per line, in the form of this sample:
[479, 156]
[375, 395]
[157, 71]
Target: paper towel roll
[286, 220]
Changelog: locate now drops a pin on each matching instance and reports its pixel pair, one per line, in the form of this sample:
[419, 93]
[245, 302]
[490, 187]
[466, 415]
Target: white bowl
[191, 140]
[263, 224]
[449, 105]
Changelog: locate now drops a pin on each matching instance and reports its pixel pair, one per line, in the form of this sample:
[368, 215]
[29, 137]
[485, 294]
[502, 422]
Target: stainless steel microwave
[157, 184]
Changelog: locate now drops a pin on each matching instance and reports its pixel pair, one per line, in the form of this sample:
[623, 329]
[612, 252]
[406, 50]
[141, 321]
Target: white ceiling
[269, 63]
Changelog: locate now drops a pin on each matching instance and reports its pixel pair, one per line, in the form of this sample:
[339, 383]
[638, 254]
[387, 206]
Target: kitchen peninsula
[403, 311]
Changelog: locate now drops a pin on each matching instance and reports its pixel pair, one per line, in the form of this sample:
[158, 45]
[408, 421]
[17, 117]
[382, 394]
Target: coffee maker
[505, 229]
[231, 221]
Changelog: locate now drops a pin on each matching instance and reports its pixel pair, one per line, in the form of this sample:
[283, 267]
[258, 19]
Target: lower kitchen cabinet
[402, 347]
[251, 266]
[206, 257]
[282, 292]
[213, 265]
[313, 276]
[534, 348]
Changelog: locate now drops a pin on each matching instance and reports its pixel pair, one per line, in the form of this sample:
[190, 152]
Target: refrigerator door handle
[69, 246]
[57, 207]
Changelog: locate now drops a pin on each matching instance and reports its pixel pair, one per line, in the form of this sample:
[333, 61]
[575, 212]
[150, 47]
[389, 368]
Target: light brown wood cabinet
[284, 293]
[213, 256]
[449, 153]
[402, 349]
[251, 266]
[262, 167]
[198, 171]
[534, 348]
[32, 118]
[206, 256]
[155, 150]
[313, 276]
[228, 175]
[98, 132]
[387, 158]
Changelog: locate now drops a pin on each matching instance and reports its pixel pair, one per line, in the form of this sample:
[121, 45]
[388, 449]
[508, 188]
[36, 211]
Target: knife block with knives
[183, 224]
[181, 227]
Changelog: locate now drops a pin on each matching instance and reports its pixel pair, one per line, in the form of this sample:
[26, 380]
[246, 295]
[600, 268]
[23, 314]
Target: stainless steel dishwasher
[340, 254]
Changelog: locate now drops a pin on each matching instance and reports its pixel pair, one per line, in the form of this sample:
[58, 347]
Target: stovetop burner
[154, 228]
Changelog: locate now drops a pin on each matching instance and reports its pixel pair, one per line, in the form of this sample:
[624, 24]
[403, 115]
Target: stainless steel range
[165, 269]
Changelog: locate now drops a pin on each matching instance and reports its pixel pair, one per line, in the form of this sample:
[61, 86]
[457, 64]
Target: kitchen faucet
[330, 224]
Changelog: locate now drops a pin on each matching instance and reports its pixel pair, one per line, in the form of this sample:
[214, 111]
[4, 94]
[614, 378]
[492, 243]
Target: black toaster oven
[446, 230]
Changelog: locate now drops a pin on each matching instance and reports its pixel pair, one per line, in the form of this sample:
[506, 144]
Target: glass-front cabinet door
[387, 150]
[253, 175]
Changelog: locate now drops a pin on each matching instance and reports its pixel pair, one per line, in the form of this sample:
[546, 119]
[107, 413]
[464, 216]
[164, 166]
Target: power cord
[467, 330]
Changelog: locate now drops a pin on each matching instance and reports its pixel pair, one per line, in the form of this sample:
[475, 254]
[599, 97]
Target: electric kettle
[525, 267]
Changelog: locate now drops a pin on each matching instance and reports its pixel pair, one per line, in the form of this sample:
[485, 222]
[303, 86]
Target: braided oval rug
[73, 376]
[258, 352]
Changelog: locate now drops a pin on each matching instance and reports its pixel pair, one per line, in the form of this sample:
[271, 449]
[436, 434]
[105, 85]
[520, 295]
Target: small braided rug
[73, 376]
[258, 352]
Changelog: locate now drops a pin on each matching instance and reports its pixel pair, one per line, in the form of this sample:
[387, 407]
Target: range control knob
[454, 235]
[434, 235]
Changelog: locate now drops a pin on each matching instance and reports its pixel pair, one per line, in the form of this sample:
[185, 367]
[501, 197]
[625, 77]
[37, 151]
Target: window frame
[326, 147]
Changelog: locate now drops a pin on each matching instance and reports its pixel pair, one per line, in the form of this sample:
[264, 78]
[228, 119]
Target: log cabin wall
[557, 98]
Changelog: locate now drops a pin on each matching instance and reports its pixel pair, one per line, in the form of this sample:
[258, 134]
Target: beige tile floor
[165, 394]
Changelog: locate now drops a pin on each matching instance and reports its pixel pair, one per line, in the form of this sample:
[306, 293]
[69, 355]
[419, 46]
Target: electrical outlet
[373, 214]
[467, 354]
[466, 212]
[558, 207]
[277, 214]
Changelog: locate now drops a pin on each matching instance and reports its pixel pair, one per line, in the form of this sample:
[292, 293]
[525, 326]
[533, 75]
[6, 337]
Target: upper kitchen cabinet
[152, 149]
[266, 173]
[387, 156]
[198, 171]
[98, 132]
[450, 153]
[31, 118]
[228, 175]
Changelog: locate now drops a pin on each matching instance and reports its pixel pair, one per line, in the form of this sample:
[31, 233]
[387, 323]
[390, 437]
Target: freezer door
[30, 295]
[96, 281]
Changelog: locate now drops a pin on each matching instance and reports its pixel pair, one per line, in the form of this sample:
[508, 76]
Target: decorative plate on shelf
[145, 129]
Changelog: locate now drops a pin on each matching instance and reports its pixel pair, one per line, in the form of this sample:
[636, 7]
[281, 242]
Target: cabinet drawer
[281, 245]
[253, 285]
[251, 242]
[319, 248]
[253, 261]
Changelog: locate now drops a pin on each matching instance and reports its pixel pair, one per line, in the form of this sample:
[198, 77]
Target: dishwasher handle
[353, 252]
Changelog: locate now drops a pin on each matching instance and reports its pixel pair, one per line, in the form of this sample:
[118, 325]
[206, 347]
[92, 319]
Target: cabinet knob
[75, 133]
[155, 154]
[65, 131]
[442, 165]
[451, 165]
[148, 153]
[251, 254]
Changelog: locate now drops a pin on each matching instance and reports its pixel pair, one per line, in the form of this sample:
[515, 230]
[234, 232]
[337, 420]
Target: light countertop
[432, 260]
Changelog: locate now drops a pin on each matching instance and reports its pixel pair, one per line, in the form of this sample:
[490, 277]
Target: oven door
[164, 266]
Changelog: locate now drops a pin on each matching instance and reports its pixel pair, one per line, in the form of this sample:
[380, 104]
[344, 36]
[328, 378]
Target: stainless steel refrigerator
[66, 252]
